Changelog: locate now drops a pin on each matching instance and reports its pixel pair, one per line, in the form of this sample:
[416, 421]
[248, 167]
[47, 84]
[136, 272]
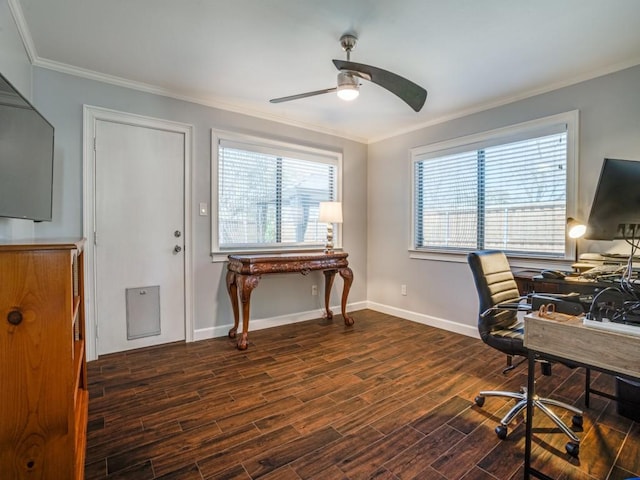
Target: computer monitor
[615, 211]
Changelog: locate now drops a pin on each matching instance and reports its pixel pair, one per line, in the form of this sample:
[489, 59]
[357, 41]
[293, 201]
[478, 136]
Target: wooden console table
[244, 273]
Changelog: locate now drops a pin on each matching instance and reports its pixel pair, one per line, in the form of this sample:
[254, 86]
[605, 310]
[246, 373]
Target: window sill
[514, 261]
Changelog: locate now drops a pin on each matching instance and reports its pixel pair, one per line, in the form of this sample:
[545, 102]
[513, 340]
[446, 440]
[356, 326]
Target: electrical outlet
[314, 290]
[403, 289]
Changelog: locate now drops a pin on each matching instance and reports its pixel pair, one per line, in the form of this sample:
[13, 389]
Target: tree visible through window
[497, 194]
[269, 198]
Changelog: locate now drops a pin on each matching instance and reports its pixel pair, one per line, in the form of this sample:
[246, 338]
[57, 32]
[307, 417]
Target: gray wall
[60, 98]
[440, 292]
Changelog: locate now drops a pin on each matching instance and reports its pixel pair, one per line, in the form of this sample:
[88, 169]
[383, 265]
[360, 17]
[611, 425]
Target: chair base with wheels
[572, 447]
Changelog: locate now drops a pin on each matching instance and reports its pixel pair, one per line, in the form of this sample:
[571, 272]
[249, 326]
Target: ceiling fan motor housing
[348, 42]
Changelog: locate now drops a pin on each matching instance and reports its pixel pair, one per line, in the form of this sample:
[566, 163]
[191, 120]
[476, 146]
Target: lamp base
[328, 247]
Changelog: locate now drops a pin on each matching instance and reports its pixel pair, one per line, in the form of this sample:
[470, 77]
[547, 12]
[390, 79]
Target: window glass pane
[305, 185]
[526, 195]
[510, 196]
[246, 197]
[266, 199]
[446, 190]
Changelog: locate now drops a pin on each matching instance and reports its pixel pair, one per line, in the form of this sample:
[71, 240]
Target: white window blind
[500, 194]
[268, 197]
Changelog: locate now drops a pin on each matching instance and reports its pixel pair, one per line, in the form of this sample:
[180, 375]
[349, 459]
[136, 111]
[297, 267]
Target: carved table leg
[347, 277]
[329, 275]
[232, 288]
[246, 284]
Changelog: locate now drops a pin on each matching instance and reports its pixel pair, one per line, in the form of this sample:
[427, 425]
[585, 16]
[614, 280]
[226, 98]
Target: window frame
[286, 149]
[503, 135]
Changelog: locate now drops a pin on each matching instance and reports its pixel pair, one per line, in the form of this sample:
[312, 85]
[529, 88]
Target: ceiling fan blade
[302, 95]
[412, 94]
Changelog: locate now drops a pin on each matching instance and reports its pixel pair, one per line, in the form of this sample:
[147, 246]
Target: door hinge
[97, 330]
[94, 144]
[95, 238]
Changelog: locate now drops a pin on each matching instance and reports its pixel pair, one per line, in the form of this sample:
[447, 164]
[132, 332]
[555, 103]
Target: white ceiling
[237, 54]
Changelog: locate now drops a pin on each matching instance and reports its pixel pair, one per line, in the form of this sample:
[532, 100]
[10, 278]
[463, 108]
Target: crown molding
[23, 29]
[208, 102]
[222, 105]
[511, 99]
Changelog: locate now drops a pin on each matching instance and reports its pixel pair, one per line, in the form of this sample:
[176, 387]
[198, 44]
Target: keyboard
[613, 326]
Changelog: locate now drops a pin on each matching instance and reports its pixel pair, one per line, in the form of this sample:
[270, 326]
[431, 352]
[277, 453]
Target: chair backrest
[495, 284]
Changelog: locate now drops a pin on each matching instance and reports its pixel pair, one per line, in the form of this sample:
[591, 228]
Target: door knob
[177, 249]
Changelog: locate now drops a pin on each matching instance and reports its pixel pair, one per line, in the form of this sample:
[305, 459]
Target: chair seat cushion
[513, 331]
[508, 339]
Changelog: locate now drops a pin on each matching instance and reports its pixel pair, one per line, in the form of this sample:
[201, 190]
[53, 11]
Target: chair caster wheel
[501, 432]
[479, 400]
[573, 449]
[576, 420]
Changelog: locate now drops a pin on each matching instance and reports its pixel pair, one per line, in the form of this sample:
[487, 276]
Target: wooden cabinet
[43, 378]
[531, 281]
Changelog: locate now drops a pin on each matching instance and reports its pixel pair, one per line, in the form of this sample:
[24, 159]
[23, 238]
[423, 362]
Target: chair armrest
[516, 305]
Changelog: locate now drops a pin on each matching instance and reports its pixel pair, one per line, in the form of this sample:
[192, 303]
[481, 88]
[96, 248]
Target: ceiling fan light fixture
[348, 87]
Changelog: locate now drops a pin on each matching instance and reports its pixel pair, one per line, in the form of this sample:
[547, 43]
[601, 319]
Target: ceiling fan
[348, 84]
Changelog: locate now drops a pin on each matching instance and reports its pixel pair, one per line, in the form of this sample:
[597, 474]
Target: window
[507, 190]
[268, 193]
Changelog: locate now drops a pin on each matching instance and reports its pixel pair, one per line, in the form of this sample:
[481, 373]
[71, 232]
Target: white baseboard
[260, 323]
[469, 331]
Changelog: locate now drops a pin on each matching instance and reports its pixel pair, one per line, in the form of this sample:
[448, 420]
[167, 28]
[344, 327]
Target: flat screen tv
[26, 158]
[615, 211]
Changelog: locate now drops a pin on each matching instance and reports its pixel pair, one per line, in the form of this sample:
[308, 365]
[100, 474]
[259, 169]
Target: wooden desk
[567, 339]
[244, 273]
[531, 281]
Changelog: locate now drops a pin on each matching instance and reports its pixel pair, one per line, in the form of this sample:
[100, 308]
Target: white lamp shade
[330, 212]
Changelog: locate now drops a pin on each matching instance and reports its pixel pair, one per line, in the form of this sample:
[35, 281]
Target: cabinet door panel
[35, 363]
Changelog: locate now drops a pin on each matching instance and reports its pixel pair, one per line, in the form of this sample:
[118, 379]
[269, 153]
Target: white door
[139, 223]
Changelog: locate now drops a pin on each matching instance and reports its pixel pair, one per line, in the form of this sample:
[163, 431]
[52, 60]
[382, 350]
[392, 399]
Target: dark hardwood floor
[385, 399]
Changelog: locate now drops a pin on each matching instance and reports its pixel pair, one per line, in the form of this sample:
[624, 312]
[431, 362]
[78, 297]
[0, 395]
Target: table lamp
[576, 229]
[330, 213]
